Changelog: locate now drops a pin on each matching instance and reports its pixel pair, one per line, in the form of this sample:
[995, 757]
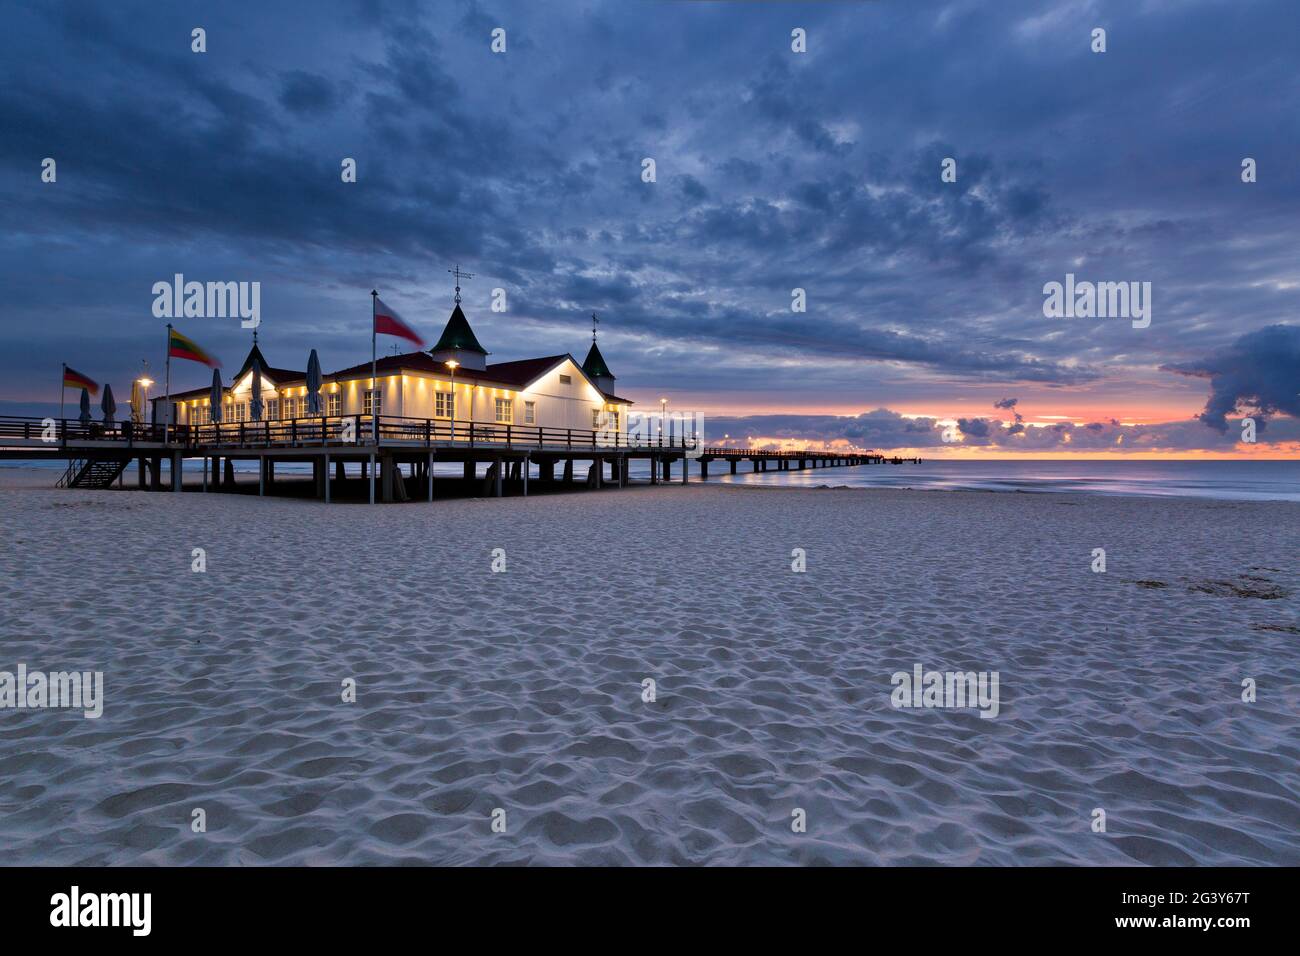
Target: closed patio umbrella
[108, 404]
[85, 407]
[214, 400]
[313, 384]
[255, 402]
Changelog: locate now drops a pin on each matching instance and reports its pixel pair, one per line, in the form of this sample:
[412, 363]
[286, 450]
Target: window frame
[447, 401]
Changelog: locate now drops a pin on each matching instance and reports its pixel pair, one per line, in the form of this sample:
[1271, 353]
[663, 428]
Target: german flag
[72, 379]
[179, 346]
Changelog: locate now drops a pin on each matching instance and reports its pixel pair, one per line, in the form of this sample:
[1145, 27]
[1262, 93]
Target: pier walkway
[394, 457]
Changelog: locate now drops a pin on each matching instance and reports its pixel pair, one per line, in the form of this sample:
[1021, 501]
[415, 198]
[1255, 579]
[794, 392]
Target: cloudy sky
[775, 170]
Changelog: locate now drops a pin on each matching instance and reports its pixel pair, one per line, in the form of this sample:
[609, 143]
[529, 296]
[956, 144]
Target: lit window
[505, 411]
[444, 405]
[597, 419]
[272, 408]
[374, 402]
[530, 413]
[334, 404]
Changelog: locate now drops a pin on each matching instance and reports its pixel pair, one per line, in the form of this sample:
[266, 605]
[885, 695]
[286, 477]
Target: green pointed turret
[459, 343]
[595, 366]
[458, 335]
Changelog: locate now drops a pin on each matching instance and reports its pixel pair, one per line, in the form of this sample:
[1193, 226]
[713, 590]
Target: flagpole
[374, 311]
[167, 386]
[63, 389]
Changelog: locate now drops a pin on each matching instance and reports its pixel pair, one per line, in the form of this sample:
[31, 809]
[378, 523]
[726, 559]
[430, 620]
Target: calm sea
[1244, 480]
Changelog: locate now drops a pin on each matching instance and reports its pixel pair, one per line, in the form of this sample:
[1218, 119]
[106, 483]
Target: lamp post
[452, 364]
[144, 382]
[663, 412]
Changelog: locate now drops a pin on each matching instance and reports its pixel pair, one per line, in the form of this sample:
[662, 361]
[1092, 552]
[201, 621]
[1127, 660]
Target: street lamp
[663, 413]
[144, 381]
[452, 364]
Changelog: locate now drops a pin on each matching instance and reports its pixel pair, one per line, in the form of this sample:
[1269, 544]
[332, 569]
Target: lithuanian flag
[180, 346]
[72, 379]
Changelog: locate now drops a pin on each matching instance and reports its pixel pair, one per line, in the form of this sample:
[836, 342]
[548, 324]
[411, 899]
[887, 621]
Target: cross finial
[459, 275]
[594, 320]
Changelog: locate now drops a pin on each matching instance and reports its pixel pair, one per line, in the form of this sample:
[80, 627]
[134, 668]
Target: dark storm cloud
[1260, 371]
[886, 430]
[306, 93]
[775, 171]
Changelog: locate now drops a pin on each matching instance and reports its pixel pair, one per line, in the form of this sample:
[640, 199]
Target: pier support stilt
[371, 473]
[428, 473]
[325, 476]
[498, 466]
[398, 481]
[177, 477]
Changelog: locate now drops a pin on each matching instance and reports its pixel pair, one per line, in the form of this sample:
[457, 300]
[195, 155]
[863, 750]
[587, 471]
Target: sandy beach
[523, 691]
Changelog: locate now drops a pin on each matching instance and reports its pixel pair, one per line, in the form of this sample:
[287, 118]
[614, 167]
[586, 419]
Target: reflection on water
[1243, 480]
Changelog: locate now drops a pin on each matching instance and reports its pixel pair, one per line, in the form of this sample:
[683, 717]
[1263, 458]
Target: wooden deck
[395, 457]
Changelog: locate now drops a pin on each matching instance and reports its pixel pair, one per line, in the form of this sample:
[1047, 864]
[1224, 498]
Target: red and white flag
[388, 322]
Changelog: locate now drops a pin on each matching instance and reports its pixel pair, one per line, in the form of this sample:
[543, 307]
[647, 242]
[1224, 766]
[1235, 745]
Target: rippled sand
[523, 690]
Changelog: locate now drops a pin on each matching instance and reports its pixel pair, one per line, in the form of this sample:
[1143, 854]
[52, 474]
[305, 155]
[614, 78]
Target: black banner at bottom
[333, 906]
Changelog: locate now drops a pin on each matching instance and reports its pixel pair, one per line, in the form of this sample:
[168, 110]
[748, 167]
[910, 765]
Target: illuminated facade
[451, 381]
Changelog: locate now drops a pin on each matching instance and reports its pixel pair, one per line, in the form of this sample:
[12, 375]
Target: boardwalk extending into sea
[395, 458]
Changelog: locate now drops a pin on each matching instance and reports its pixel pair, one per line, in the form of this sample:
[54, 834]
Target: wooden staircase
[92, 472]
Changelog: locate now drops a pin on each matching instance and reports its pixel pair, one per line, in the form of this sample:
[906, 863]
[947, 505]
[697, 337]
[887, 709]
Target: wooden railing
[362, 429]
[806, 453]
[71, 429]
[348, 429]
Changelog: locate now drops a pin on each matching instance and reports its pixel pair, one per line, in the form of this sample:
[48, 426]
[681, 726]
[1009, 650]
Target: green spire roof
[595, 366]
[254, 355]
[458, 334]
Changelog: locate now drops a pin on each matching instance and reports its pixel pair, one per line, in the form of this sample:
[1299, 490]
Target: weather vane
[459, 275]
[594, 320]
